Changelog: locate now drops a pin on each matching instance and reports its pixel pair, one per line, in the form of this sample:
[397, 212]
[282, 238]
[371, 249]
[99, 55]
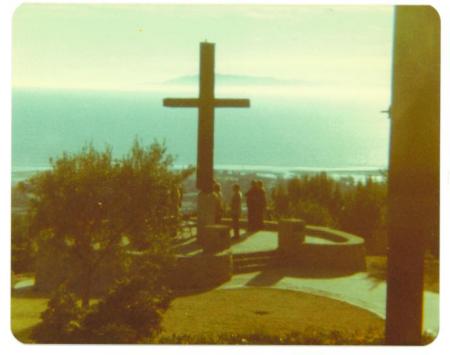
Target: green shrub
[130, 312]
[356, 208]
[313, 213]
[60, 321]
[23, 253]
[311, 336]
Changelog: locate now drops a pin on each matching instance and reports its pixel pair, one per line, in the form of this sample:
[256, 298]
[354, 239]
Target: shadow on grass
[193, 291]
[29, 292]
[270, 276]
[376, 269]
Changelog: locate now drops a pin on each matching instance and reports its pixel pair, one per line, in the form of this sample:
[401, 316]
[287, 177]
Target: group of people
[256, 205]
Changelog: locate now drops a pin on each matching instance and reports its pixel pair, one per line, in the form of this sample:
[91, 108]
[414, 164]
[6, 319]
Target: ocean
[277, 132]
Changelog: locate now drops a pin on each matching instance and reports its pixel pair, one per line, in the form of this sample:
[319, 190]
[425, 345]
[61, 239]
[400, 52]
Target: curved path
[357, 289]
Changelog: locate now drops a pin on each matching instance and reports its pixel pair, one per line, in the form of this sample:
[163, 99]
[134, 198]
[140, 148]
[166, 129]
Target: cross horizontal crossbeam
[231, 103]
[194, 102]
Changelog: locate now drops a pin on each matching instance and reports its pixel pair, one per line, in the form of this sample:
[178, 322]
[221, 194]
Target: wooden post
[205, 136]
[413, 181]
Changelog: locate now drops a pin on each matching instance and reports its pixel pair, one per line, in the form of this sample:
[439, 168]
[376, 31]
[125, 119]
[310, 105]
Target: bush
[313, 213]
[311, 336]
[23, 249]
[365, 209]
[60, 321]
[129, 313]
[357, 208]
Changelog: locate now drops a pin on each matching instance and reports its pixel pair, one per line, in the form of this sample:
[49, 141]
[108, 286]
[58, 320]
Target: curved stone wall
[202, 270]
[330, 249]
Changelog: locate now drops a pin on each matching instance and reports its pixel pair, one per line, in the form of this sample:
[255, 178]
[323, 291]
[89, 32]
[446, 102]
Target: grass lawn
[25, 314]
[263, 311]
[377, 267]
[251, 310]
[254, 310]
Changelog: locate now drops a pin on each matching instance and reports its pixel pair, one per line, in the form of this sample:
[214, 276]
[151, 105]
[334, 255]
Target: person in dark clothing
[260, 205]
[251, 199]
[235, 209]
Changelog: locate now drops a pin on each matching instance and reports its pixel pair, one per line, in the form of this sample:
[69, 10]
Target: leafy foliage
[358, 208]
[23, 247]
[131, 311]
[365, 208]
[311, 336]
[60, 321]
[89, 205]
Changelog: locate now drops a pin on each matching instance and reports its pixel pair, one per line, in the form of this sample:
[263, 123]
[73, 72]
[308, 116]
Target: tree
[90, 207]
[23, 247]
[316, 199]
[365, 208]
[357, 208]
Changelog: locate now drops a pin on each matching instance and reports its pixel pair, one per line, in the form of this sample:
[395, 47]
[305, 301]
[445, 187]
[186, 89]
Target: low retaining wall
[198, 271]
[337, 251]
[291, 235]
[202, 270]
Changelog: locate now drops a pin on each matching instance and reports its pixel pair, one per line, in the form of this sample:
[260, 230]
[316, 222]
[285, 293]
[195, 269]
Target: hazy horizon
[317, 78]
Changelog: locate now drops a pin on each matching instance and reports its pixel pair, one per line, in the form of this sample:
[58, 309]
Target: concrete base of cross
[217, 238]
[205, 214]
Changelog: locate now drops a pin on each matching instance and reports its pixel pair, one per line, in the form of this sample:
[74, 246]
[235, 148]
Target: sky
[122, 47]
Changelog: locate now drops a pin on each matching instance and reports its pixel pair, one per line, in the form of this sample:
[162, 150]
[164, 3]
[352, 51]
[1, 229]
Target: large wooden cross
[206, 103]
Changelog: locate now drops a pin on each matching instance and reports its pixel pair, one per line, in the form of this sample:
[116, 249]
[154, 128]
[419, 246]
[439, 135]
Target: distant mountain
[234, 80]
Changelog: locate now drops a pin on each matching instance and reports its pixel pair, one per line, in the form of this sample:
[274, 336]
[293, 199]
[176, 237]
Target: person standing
[251, 199]
[260, 205]
[219, 205]
[236, 207]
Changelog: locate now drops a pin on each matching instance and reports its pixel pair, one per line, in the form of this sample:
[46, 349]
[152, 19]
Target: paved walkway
[357, 289]
[261, 241]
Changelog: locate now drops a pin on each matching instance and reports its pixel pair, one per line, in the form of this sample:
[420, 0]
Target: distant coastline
[279, 135]
[22, 173]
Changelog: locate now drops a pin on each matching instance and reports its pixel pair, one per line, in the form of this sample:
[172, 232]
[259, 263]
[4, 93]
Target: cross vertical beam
[205, 136]
[413, 183]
